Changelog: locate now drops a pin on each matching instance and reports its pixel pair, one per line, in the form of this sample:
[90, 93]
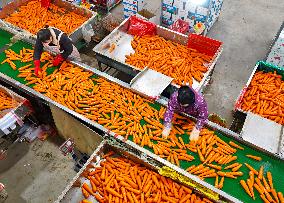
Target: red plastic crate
[203, 44]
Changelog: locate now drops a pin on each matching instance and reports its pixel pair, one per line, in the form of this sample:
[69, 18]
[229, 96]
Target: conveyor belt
[272, 164]
[5, 38]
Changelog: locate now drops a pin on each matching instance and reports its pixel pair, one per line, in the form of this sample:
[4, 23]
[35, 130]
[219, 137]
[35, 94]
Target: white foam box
[138, 3]
[175, 18]
[191, 7]
[166, 14]
[128, 13]
[130, 7]
[202, 11]
[262, 132]
[167, 21]
[169, 2]
[176, 3]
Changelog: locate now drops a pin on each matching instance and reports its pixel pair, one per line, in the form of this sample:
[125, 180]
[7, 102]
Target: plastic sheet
[180, 26]
[140, 27]
[45, 3]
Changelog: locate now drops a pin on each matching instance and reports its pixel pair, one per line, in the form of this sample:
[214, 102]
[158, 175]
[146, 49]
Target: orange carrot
[85, 193]
[269, 177]
[254, 157]
[236, 145]
[252, 169]
[244, 185]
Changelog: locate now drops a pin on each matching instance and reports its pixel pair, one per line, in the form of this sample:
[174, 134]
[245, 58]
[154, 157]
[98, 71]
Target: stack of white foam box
[131, 7]
[188, 11]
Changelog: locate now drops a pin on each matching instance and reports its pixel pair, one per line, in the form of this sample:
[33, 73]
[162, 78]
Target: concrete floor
[36, 172]
[39, 172]
[247, 29]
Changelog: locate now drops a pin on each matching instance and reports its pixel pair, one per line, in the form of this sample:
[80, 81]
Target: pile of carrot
[32, 17]
[263, 185]
[134, 117]
[265, 96]
[121, 180]
[6, 101]
[172, 59]
[217, 159]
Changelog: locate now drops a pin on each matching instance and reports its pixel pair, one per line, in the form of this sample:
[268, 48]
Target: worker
[56, 41]
[186, 100]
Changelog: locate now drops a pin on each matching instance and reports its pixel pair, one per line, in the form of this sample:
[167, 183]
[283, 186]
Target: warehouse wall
[85, 139]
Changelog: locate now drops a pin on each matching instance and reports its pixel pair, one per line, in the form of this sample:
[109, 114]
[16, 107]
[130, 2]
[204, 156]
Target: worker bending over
[56, 41]
[188, 101]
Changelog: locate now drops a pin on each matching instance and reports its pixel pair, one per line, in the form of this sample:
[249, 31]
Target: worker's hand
[58, 60]
[37, 67]
[194, 135]
[166, 132]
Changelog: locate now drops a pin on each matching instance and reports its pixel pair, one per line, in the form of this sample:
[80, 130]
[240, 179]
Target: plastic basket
[268, 67]
[203, 44]
[260, 66]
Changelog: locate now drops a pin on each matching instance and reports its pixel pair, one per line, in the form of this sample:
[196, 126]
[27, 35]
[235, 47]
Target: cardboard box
[167, 21]
[127, 13]
[149, 16]
[138, 3]
[166, 14]
[169, 8]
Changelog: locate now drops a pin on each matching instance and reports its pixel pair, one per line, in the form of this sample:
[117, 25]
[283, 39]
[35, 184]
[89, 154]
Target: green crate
[268, 67]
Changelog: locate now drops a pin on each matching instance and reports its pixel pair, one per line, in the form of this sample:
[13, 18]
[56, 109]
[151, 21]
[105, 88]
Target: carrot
[236, 145]
[263, 198]
[85, 201]
[280, 195]
[147, 186]
[215, 167]
[227, 174]
[232, 166]
[130, 198]
[154, 178]
[101, 200]
[124, 194]
[216, 181]
[252, 169]
[190, 168]
[254, 157]
[169, 199]
[85, 193]
[269, 177]
[134, 198]
[237, 167]
[200, 155]
[113, 192]
[94, 187]
[89, 190]
[185, 198]
[250, 186]
[221, 183]
[244, 185]
[268, 196]
[260, 190]
[274, 193]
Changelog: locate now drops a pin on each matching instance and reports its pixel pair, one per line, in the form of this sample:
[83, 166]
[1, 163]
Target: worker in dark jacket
[56, 41]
